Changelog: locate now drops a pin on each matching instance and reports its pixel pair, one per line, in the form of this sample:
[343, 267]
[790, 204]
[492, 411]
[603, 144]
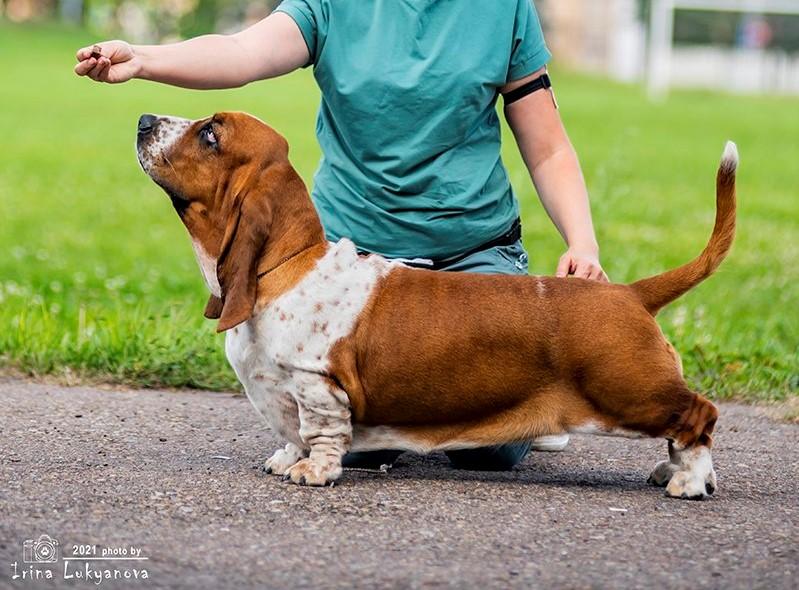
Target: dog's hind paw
[689, 486]
[696, 478]
[662, 473]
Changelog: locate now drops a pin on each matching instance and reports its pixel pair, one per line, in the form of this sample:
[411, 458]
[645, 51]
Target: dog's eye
[207, 136]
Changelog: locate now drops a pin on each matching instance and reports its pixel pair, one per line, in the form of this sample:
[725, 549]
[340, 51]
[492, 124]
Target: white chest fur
[291, 338]
[208, 268]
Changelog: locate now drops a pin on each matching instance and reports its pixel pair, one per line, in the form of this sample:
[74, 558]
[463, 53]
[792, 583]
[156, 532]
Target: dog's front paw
[315, 471]
[690, 486]
[282, 460]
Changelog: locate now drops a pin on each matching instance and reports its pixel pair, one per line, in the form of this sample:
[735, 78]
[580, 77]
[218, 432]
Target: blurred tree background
[151, 20]
[143, 20]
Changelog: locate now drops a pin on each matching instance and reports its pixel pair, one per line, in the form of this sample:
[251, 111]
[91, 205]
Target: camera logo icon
[43, 550]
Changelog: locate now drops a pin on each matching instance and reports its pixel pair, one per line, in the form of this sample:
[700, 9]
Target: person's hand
[583, 264]
[118, 62]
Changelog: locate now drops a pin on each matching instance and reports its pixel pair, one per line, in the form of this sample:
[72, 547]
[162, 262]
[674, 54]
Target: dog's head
[231, 183]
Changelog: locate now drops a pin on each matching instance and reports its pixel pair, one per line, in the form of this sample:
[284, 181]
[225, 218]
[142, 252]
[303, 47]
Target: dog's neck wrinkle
[285, 277]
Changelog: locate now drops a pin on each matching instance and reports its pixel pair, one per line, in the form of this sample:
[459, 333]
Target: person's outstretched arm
[556, 173]
[270, 48]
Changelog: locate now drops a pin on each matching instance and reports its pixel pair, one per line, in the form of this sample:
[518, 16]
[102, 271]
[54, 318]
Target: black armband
[543, 82]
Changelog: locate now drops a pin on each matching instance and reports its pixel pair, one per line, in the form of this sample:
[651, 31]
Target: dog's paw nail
[286, 477]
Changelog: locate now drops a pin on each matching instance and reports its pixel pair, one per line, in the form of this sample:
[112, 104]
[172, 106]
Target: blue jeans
[508, 260]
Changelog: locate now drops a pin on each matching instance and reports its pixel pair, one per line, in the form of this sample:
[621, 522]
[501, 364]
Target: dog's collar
[284, 261]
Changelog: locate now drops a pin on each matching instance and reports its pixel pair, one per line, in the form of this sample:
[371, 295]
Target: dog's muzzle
[156, 136]
[147, 124]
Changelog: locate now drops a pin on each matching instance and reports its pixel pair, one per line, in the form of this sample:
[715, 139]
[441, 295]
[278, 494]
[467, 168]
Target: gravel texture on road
[177, 476]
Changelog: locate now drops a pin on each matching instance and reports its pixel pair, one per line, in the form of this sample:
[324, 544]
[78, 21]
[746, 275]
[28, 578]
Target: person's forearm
[269, 48]
[554, 168]
[208, 62]
[560, 185]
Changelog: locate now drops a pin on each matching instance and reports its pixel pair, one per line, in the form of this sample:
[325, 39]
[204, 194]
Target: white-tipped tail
[660, 290]
[730, 156]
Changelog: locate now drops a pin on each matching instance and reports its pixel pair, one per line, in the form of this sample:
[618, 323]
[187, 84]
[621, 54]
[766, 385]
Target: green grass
[97, 277]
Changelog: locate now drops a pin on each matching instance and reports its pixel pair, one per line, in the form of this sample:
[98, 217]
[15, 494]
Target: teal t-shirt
[408, 127]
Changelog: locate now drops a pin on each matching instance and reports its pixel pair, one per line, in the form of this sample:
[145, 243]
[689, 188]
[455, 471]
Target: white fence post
[661, 33]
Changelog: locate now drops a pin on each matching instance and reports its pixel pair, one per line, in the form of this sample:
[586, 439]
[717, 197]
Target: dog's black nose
[147, 124]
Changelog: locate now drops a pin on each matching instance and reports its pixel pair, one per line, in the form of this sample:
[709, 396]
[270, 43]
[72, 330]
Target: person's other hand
[117, 64]
[583, 264]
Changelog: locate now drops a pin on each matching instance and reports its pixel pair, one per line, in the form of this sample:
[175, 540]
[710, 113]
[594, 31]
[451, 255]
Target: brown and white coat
[343, 352]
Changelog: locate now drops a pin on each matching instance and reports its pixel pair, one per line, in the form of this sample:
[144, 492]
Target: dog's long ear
[213, 309]
[237, 266]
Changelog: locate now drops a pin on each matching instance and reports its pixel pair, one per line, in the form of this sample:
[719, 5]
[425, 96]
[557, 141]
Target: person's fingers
[603, 277]
[582, 270]
[95, 72]
[596, 274]
[564, 266]
[86, 66]
[84, 53]
[104, 66]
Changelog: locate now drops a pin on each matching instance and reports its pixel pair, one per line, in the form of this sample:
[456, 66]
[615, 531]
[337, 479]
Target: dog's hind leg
[667, 410]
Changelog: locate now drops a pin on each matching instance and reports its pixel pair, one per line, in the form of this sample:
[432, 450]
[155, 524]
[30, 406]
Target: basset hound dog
[340, 351]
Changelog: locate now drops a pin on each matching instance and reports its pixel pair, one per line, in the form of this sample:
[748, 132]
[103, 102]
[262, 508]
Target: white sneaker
[552, 442]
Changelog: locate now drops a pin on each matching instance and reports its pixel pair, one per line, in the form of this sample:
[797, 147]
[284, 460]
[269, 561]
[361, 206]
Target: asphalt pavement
[168, 484]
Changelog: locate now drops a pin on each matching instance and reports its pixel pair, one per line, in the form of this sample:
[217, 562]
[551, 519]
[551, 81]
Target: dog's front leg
[325, 428]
